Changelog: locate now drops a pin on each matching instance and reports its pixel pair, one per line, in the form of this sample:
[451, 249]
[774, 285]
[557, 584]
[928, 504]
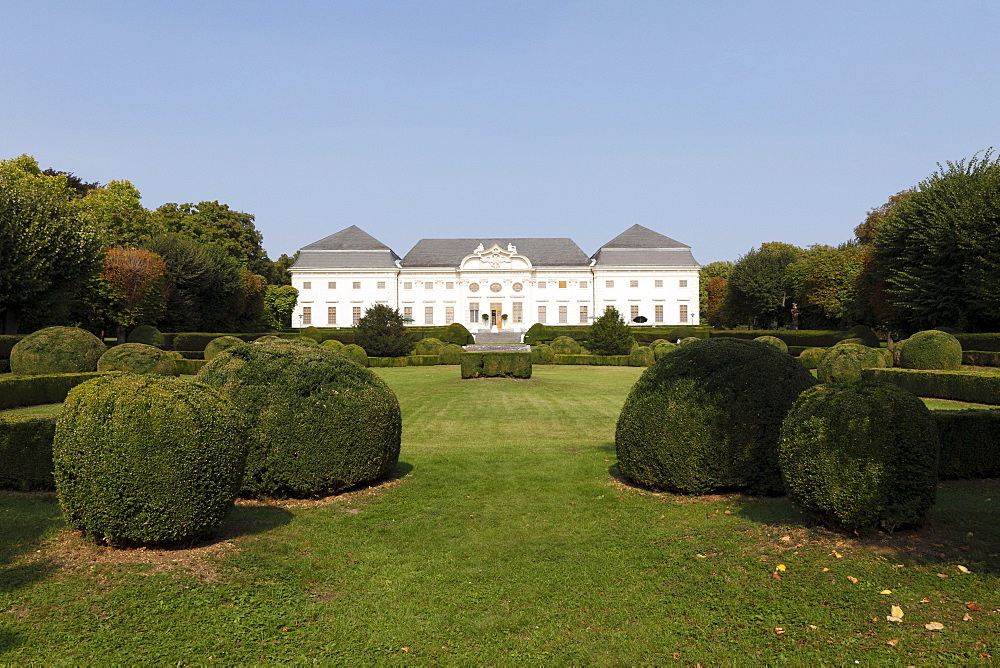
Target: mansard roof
[349, 238]
[559, 252]
[351, 248]
[640, 246]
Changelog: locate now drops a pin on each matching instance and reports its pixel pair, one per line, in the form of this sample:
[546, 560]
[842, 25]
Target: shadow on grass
[27, 518]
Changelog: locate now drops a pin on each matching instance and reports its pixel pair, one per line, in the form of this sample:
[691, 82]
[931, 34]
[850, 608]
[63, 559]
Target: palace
[497, 283]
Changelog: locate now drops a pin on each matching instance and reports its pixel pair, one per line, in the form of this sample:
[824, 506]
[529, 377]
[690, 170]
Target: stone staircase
[497, 337]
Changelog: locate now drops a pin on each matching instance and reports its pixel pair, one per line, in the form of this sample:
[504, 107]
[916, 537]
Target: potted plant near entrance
[486, 320]
[503, 318]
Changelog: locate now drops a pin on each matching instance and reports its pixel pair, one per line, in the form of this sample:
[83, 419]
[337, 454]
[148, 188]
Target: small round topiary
[147, 334]
[661, 348]
[773, 341]
[304, 340]
[843, 363]
[860, 455]
[866, 334]
[147, 460]
[333, 344]
[428, 346]
[456, 333]
[354, 353]
[688, 339]
[138, 358]
[317, 422]
[565, 345]
[313, 333]
[220, 344]
[897, 351]
[858, 341]
[707, 417]
[56, 350]
[451, 353]
[542, 354]
[810, 357]
[931, 349]
[268, 338]
[641, 356]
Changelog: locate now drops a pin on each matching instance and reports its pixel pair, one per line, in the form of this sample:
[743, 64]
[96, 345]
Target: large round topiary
[428, 346]
[856, 340]
[688, 339]
[451, 353]
[354, 353]
[661, 348]
[865, 333]
[221, 344]
[317, 422]
[268, 338]
[843, 363]
[138, 358]
[641, 356]
[456, 333]
[305, 340]
[542, 354]
[312, 333]
[333, 344]
[56, 350]
[860, 455]
[931, 349]
[773, 341]
[810, 357]
[147, 460]
[565, 345]
[707, 417]
[147, 334]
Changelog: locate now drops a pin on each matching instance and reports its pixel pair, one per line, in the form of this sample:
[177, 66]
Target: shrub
[609, 335]
[381, 332]
[887, 359]
[843, 363]
[809, 338]
[931, 349]
[26, 452]
[147, 460]
[221, 344]
[197, 341]
[641, 356]
[383, 362]
[138, 358]
[7, 343]
[456, 333]
[661, 348]
[897, 349]
[186, 367]
[687, 340]
[496, 365]
[312, 333]
[271, 338]
[355, 353]
[304, 340]
[858, 341]
[423, 360]
[980, 388]
[707, 417]
[428, 346]
[42, 389]
[866, 334]
[56, 350]
[984, 342]
[970, 443]
[810, 357]
[333, 344]
[542, 354]
[565, 345]
[860, 455]
[318, 423]
[773, 341]
[686, 331]
[593, 360]
[147, 334]
[451, 353]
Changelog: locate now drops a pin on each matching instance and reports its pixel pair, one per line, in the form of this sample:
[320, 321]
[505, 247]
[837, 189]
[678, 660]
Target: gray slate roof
[542, 252]
[351, 248]
[638, 236]
[349, 238]
[640, 246]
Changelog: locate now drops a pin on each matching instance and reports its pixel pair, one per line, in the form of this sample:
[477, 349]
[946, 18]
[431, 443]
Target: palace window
[331, 315]
[473, 287]
[408, 285]
[658, 313]
[450, 285]
[495, 287]
[355, 315]
[541, 285]
[518, 287]
[583, 315]
[684, 313]
[449, 315]
[633, 283]
[331, 285]
[541, 314]
[562, 284]
[633, 312]
[563, 315]
[683, 283]
[658, 283]
[307, 315]
[428, 315]
[517, 313]
[428, 285]
[609, 284]
[583, 284]
[380, 285]
[408, 313]
[356, 285]
[307, 285]
[474, 313]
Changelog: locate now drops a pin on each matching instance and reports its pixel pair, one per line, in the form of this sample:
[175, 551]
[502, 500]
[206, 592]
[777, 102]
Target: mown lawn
[508, 539]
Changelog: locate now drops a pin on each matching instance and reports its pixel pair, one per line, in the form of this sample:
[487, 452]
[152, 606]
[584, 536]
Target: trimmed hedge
[7, 342]
[456, 333]
[332, 344]
[198, 340]
[423, 360]
[860, 455]
[988, 342]
[26, 452]
[773, 341]
[968, 386]
[542, 354]
[147, 334]
[147, 460]
[138, 358]
[844, 362]
[811, 357]
[317, 422]
[355, 353]
[661, 348]
[865, 333]
[592, 360]
[931, 349]
[451, 353]
[18, 391]
[221, 344]
[970, 443]
[56, 350]
[707, 417]
[641, 356]
[428, 346]
[387, 362]
[186, 367]
[496, 365]
[810, 338]
[565, 345]
[980, 358]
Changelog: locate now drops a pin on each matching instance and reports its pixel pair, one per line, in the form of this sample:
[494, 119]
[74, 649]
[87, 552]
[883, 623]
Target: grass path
[507, 540]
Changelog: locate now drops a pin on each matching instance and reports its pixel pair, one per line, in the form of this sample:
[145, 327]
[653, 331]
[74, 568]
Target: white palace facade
[640, 272]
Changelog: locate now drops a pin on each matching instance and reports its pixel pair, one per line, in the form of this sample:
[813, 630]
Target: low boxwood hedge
[186, 367]
[387, 362]
[496, 365]
[197, 341]
[45, 389]
[565, 345]
[590, 360]
[968, 386]
[970, 443]
[542, 353]
[980, 358]
[988, 342]
[147, 334]
[451, 353]
[26, 452]
[810, 338]
[355, 353]
[641, 356]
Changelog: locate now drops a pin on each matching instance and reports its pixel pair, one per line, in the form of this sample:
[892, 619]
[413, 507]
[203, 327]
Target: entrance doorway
[495, 319]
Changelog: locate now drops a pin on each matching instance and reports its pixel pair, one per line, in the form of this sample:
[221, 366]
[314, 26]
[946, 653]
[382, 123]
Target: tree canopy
[759, 289]
[381, 332]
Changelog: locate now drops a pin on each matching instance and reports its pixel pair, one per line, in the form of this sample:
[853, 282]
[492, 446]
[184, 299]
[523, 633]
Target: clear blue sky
[721, 124]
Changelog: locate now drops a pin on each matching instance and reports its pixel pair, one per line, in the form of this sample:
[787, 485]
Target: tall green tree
[134, 285]
[824, 284]
[609, 335]
[759, 292]
[713, 285]
[48, 253]
[381, 332]
[938, 249]
[117, 211]
[279, 303]
[212, 222]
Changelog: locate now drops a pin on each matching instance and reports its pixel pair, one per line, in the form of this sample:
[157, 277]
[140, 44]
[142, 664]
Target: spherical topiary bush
[888, 360]
[147, 460]
[843, 363]
[707, 417]
[355, 353]
[312, 333]
[147, 334]
[268, 338]
[641, 356]
[220, 344]
[333, 344]
[317, 422]
[542, 354]
[856, 340]
[866, 334]
[428, 346]
[773, 341]
[661, 348]
[860, 455]
[138, 358]
[565, 345]
[931, 349]
[56, 350]
[305, 340]
[688, 339]
[451, 353]
[810, 357]
[456, 333]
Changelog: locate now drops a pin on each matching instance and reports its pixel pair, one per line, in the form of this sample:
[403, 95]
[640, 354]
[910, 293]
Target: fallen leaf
[786, 539]
[837, 554]
[966, 617]
[963, 569]
[973, 606]
[780, 567]
[779, 630]
[925, 600]
[728, 512]
[701, 556]
[892, 641]
[405, 649]
[941, 575]
[896, 611]
[677, 655]
[775, 576]
[934, 626]
[825, 570]
[886, 592]
[890, 618]
[813, 627]
[853, 579]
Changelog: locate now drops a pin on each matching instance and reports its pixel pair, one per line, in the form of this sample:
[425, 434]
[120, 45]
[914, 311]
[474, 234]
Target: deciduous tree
[135, 283]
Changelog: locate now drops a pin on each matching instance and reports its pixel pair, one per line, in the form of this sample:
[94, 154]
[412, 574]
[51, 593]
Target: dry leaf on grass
[973, 606]
[934, 626]
[853, 579]
[892, 641]
[966, 617]
[963, 569]
[886, 592]
[895, 614]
